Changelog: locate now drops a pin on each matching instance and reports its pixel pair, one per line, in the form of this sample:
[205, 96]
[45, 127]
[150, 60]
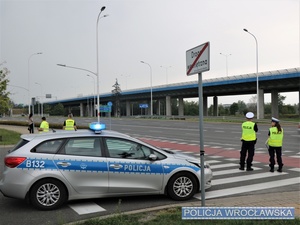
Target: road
[222, 145]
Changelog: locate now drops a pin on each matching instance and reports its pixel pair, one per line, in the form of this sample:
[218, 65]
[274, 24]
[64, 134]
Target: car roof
[67, 134]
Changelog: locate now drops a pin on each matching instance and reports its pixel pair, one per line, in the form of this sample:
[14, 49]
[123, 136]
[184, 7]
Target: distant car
[51, 168]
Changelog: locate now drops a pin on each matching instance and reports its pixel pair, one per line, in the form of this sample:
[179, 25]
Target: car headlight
[206, 165]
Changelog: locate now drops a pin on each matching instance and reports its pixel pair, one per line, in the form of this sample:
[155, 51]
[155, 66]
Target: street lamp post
[226, 62]
[166, 67]
[97, 56]
[97, 53]
[151, 113]
[29, 100]
[257, 86]
[78, 68]
[94, 92]
[41, 98]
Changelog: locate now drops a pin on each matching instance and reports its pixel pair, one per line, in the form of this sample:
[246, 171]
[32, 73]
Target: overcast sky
[158, 32]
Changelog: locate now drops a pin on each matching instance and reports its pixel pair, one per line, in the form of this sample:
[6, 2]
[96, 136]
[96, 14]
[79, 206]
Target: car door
[81, 163]
[130, 170]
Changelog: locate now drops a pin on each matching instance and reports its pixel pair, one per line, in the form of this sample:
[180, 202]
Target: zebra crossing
[228, 180]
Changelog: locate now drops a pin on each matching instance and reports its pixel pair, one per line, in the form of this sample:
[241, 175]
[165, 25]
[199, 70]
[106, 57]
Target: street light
[166, 67]
[257, 87]
[41, 98]
[97, 53]
[151, 113]
[226, 62]
[78, 68]
[29, 100]
[93, 93]
[97, 73]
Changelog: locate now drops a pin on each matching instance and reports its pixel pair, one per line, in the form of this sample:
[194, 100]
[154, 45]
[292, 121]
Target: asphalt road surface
[222, 145]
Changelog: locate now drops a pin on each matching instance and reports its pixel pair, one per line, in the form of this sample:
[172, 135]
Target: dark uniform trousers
[247, 146]
[278, 151]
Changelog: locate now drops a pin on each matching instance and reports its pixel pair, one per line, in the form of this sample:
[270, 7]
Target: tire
[48, 194]
[182, 186]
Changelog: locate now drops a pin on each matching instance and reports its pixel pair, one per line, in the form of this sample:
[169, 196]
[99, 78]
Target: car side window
[83, 147]
[121, 148]
[50, 146]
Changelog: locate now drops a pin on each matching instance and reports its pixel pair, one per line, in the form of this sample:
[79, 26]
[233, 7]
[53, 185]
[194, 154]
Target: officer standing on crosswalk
[275, 144]
[249, 129]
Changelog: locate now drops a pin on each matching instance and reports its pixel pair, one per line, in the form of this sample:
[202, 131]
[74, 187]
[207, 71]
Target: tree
[58, 110]
[5, 103]
[234, 108]
[191, 108]
[117, 92]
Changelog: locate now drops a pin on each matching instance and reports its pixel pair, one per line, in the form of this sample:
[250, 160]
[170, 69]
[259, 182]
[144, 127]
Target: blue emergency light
[97, 127]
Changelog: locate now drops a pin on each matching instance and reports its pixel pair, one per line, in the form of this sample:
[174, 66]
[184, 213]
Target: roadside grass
[8, 137]
[172, 216]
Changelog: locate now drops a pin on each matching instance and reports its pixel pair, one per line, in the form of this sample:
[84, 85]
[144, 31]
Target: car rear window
[21, 143]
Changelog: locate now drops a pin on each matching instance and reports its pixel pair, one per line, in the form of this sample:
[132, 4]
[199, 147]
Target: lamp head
[245, 30]
[61, 65]
[102, 9]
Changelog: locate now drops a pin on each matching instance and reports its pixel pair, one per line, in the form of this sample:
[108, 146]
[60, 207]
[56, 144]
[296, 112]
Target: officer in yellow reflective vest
[69, 124]
[249, 129]
[275, 144]
[44, 126]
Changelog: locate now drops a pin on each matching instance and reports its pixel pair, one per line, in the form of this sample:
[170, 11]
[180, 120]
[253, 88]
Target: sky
[158, 32]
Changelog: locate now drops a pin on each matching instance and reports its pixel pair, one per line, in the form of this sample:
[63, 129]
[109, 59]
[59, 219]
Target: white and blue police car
[51, 168]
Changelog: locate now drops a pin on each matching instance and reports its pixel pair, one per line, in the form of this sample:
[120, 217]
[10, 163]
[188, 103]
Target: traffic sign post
[197, 61]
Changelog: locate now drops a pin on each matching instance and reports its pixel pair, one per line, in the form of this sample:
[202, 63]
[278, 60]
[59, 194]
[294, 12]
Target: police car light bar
[97, 127]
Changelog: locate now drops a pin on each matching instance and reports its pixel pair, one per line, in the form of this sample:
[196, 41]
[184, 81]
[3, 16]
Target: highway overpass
[274, 82]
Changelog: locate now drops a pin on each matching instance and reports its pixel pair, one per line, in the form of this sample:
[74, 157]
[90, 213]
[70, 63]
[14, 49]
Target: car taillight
[13, 162]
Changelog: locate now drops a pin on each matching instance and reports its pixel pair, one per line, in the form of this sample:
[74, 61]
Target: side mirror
[152, 157]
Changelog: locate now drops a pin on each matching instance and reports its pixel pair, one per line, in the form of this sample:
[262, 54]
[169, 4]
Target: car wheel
[182, 186]
[48, 194]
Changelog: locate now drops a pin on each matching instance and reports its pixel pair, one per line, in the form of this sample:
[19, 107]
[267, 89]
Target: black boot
[280, 168]
[242, 167]
[271, 168]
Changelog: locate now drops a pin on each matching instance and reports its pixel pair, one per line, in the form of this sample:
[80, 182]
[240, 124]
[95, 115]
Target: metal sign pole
[200, 94]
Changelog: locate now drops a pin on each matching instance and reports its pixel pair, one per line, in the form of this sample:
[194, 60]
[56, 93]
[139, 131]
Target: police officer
[275, 144]
[69, 124]
[44, 126]
[249, 129]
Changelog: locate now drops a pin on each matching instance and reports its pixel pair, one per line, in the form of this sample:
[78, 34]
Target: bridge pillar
[158, 107]
[205, 105]
[274, 103]
[127, 108]
[261, 104]
[168, 106]
[299, 103]
[81, 109]
[181, 107]
[215, 106]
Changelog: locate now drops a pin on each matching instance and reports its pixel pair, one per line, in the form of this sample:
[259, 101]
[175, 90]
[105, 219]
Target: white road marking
[224, 165]
[249, 188]
[232, 171]
[245, 178]
[86, 208]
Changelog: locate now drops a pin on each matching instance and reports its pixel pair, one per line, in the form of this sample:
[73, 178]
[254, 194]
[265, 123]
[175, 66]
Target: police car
[51, 168]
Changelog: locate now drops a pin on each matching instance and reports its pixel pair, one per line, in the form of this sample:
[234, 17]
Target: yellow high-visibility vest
[45, 126]
[276, 138]
[69, 124]
[248, 132]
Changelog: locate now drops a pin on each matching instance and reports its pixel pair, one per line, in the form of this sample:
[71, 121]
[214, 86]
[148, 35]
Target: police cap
[249, 115]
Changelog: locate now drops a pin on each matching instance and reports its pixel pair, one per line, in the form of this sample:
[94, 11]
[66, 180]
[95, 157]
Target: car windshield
[19, 145]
